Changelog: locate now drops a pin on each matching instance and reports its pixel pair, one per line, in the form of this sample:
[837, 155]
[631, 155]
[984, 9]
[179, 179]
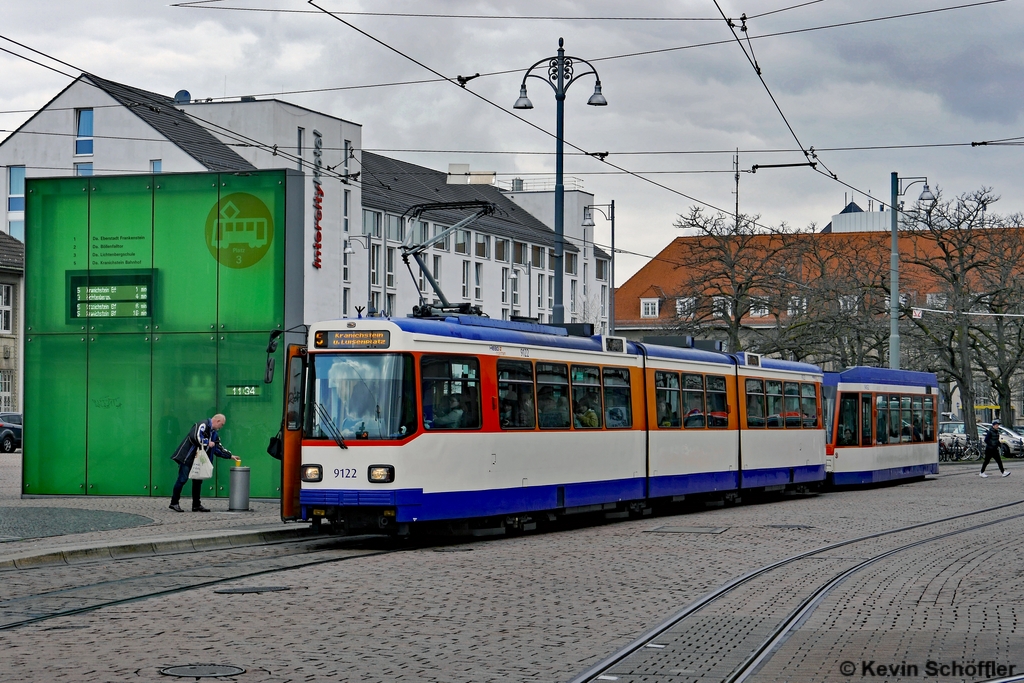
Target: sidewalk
[66, 529]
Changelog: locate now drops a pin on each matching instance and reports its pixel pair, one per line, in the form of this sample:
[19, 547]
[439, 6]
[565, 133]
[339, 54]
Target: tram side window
[515, 392]
[617, 404]
[718, 407]
[792, 405]
[847, 433]
[693, 401]
[865, 420]
[666, 395]
[882, 420]
[929, 419]
[894, 418]
[755, 403]
[906, 419]
[917, 428]
[586, 397]
[451, 392]
[553, 396]
[809, 405]
[773, 388]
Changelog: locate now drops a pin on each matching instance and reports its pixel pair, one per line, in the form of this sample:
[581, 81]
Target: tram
[881, 425]
[474, 424]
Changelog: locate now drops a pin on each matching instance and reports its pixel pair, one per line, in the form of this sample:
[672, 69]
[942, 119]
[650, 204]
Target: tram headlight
[312, 473]
[381, 474]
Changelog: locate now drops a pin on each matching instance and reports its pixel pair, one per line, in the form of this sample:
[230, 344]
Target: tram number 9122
[344, 473]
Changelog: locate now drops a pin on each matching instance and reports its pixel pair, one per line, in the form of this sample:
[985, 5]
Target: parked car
[1011, 443]
[10, 432]
[951, 433]
[1019, 429]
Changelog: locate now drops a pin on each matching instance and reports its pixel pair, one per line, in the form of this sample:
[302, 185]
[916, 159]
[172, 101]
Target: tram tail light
[312, 473]
[381, 474]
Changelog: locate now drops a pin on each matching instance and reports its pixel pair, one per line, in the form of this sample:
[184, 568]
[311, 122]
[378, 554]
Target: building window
[344, 260]
[437, 269]
[391, 305]
[375, 301]
[537, 257]
[797, 305]
[462, 241]
[540, 291]
[570, 264]
[478, 281]
[483, 246]
[604, 300]
[346, 296]
[423, 234]
[396, 231]
[759, 307]
[298, 148]
[156, 166]
[83, 169]
[346, 202]
[501, 250]
[83, 131]
[932, 300]
[371, 223]
[649, 308]
[586, 268]
[551, 292]
[391, 267]
[465, 279]
[15, 188]
[572, 296]
[602, 269]
[849, 302]
[515, 292]
[445, 244]
[686, 306]
[16, 229]
[551, 260]
[504, 314]
[721, 306]
[6, 390]
[6, 308]
[348, 153]
[504, 285]
[519, 252]
[375, 261]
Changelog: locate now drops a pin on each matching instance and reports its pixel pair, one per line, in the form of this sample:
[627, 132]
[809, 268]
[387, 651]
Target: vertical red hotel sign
[318, 198]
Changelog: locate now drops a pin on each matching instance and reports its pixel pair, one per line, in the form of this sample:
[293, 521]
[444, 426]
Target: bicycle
[972, 450]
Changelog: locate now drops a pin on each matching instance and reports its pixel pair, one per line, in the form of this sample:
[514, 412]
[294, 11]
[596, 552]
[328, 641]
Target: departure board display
[111, 294]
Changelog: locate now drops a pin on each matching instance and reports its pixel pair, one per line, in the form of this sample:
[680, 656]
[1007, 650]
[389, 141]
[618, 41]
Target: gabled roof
[159, 112]
[392, 185]
[12, 254]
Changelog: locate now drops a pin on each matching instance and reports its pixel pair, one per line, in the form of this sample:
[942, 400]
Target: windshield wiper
[331, 428]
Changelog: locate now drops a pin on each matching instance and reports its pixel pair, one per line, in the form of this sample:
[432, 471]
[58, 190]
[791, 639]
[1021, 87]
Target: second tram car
[881, 425]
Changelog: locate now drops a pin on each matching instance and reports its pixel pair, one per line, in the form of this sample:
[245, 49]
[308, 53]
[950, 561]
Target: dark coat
[992, 440]
[200, 433]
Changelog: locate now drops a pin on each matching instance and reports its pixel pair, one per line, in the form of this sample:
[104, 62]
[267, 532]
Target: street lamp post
[559, 76]
[369, 269]
[529, 286]
[588, 222]
[898, 190]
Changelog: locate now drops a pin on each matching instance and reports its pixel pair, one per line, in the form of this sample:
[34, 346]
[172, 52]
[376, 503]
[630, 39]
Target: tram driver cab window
[451, 392]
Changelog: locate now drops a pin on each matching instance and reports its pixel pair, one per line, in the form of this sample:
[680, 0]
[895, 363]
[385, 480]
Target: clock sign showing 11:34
[242, 390]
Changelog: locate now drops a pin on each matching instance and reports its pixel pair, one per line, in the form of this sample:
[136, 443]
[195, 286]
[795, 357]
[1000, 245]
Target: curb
[121, 551]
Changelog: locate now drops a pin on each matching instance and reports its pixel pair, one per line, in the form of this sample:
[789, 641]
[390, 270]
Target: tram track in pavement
[200, 570]
[638, 660]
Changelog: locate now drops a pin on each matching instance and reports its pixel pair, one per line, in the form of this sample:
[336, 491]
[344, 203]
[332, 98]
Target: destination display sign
[352, 339]
[110, 294]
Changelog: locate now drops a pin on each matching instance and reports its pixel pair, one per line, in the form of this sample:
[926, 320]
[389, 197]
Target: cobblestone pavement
[545, 607]
[86, 521]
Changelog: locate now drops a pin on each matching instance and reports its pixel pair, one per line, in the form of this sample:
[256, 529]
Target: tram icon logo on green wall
[239, 230]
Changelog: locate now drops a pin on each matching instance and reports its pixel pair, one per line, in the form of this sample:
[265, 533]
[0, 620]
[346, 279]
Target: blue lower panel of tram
[413, 505]
[878, 476]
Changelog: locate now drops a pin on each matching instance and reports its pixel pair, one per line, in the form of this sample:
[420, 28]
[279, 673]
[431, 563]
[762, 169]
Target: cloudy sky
[933, 78]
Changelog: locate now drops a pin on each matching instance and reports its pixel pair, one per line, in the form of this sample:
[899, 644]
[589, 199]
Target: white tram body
[392, 423]
[881, 425]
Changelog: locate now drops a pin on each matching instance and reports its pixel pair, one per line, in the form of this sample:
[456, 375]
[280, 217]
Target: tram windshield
[365, 396]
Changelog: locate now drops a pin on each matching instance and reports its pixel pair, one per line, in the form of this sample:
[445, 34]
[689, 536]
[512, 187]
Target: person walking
[205, 433]
[992, 447]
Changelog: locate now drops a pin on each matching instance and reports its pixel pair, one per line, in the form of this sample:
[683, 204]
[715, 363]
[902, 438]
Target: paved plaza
[545, 607]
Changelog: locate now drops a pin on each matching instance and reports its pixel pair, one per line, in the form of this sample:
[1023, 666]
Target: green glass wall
[149, 300]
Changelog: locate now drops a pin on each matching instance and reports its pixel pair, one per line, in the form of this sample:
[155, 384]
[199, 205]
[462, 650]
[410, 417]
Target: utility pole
[736, 168]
